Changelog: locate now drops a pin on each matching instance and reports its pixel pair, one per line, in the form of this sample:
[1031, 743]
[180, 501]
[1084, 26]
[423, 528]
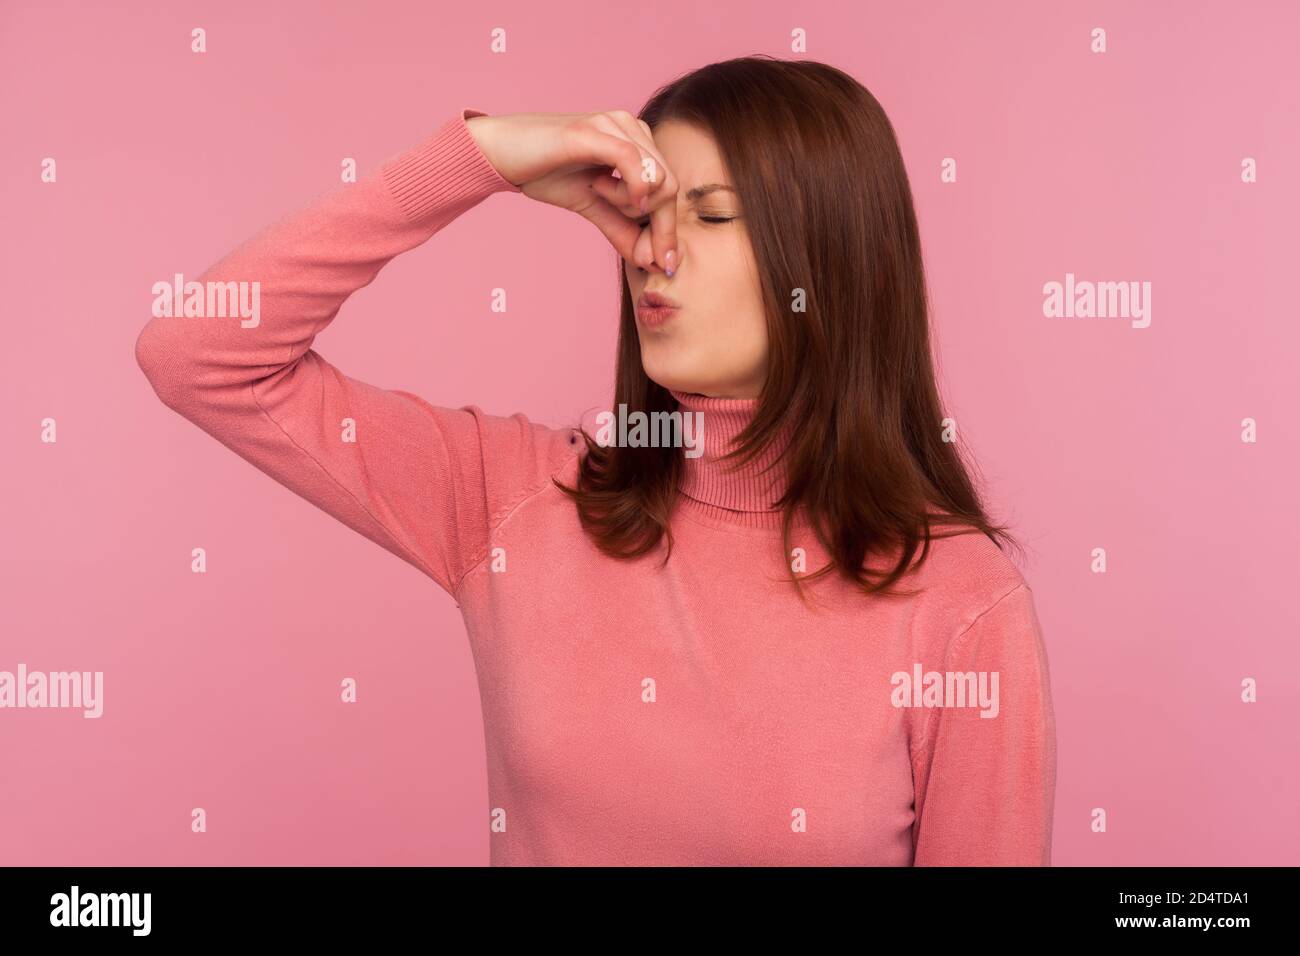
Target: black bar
[548, 905]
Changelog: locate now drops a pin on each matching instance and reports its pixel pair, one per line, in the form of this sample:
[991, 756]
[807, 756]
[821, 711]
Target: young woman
[797, 641]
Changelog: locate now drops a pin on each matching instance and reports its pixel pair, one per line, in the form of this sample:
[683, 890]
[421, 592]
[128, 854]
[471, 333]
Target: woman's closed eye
[645, 220]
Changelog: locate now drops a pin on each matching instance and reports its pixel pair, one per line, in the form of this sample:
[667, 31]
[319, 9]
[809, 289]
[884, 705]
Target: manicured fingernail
[670, 262]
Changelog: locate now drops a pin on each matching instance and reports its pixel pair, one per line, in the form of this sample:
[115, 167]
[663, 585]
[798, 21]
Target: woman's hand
[568, 159]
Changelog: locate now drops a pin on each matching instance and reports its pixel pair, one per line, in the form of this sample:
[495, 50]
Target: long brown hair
[822, 181]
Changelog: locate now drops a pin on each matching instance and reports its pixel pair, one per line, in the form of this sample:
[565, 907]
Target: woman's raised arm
[426, 483]
[409, 476]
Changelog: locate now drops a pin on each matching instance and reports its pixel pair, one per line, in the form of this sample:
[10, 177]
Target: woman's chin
[667, 370]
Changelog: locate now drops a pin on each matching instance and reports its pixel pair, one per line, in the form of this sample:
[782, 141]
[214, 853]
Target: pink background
[222, 689]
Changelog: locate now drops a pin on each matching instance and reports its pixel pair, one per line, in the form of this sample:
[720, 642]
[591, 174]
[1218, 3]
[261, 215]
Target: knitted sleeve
[426, 483]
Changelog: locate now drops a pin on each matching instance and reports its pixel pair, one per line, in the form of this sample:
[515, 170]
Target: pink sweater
[698, 714]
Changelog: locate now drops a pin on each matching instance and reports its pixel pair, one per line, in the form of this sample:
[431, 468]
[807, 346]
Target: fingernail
[645, 203]
[670, 262]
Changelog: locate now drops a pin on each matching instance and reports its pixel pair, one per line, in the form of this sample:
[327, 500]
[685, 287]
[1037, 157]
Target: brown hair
[820, 175]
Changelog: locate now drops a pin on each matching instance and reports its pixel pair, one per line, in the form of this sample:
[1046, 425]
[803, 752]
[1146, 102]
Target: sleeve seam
[505, 514]
[398, 539]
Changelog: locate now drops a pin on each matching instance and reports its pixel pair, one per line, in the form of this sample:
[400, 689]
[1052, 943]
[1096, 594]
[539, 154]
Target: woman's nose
[643, 253]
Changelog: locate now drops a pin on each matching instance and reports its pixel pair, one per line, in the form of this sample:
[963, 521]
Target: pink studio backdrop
[221, 690]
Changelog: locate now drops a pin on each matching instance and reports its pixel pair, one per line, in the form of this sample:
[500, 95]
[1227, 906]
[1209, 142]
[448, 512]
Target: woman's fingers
[620, 229]
[661, 203]
[629, 182]
[615, 192]
[602, 143]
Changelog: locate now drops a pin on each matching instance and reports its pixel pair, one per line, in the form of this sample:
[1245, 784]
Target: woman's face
[716, 342]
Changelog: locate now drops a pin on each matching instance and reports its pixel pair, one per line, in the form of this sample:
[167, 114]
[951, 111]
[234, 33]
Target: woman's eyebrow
[699, 192]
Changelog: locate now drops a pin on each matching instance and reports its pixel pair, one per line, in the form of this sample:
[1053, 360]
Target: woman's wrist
[482, 129]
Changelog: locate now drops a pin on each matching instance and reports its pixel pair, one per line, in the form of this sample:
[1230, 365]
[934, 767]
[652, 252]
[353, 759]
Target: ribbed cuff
[447, 169]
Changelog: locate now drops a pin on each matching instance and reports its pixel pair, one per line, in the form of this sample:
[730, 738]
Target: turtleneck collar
[725, 489]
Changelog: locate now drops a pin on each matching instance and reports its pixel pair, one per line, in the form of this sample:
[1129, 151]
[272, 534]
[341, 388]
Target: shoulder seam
[962, 633]
[952, 646]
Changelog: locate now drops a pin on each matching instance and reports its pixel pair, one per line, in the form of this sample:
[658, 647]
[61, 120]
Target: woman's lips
[654, 308]
[655, 315]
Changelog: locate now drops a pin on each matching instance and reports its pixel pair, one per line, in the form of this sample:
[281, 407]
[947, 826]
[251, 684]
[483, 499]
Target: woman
[741, 650]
